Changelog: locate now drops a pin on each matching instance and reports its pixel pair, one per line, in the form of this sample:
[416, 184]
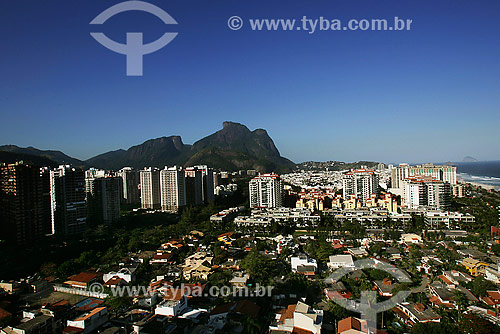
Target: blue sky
[429, 94]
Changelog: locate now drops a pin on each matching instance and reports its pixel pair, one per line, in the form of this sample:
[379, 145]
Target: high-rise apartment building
[67, 201]
[361, 183]
[131, 193]
[194, 186]
[172, 188]
[266, 190]
[150, 188]
[439, 172]
[426, 191]
[103, 197]
[207, 183]
[24, 203]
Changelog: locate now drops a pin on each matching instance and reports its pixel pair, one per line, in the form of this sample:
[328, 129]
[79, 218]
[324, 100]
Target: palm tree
[461, 302]
[252, 326]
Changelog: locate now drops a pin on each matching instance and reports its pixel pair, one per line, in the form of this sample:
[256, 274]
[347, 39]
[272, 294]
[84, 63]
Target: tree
[479, 286]
[258, 266]
[251, 325]
[461, 302]
[471, 323]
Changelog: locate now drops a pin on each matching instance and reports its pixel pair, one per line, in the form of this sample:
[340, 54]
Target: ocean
[483, 172]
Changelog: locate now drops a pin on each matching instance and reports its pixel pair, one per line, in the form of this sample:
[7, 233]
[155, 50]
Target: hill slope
[56, 156]
[234, 147]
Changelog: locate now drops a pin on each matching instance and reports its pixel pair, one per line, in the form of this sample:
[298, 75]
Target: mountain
[234, 147]
[10, 157]
[469, 159]
[154, 152]
[56, 156]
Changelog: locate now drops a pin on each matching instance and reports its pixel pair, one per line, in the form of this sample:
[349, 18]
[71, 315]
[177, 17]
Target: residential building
[475, 267]
[303, 264]
[413, 313]
[266, 190]
[361, 183]
[24, 203]
[172, 188]
[131, 193]
[425, 191]
[340, 261]
[150, 188]
[299, 318]
[175, 303]
[352, 325]
[207, 183]
[67, 201]
[439, 172]
[194, 186]
[103, 195]
[88, 322]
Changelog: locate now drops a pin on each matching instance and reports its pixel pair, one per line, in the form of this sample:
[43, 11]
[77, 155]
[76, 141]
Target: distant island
[469, 159]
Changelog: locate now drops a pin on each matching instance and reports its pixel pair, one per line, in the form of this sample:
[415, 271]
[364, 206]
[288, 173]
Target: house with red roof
[82, 280]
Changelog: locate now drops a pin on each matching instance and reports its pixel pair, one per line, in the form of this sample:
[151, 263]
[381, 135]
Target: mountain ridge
[233, 147]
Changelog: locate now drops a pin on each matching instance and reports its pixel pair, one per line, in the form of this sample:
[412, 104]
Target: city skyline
[404, 91]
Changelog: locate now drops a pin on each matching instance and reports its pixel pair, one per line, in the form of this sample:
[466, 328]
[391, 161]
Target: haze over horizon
[429, 94]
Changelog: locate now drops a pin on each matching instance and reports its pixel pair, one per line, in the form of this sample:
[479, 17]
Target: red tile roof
[83, 277]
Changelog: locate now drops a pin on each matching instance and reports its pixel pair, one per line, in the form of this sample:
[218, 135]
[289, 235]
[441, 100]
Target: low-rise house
[175, 303]
[472, 253]
[453, 278]
[358, 252]
[492, 298]
[125, 273]
[394, 253]
[162, 257]
[198, 258]
[429, 264]
[385, 287]
[473, 266]
[297, 318]
[337, 290]
[298, 262]
[442, 295]
[340, 261]
[197, 271]
[352, 325]
[492, 273]
[239, 279]
[114, 282]
[412, 313]
[32, 324]
[411, 238]
[10, 286]
[82, 280]
[88, 322]
[226, 238]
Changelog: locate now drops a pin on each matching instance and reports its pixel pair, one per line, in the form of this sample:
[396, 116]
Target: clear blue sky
[429, 94]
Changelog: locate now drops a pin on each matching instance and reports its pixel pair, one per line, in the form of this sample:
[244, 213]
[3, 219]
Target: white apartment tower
[439, 172]
[266, 190]
[150, 188]
[172, 188]
[426, 191]
[361, 183]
